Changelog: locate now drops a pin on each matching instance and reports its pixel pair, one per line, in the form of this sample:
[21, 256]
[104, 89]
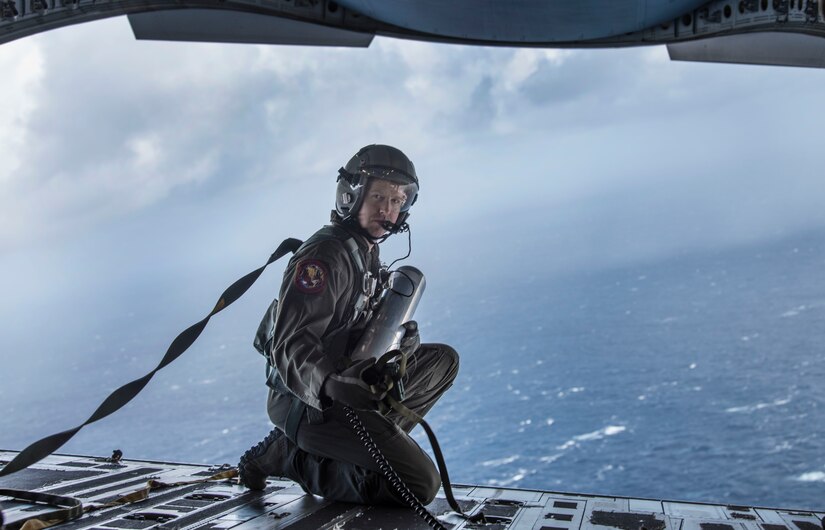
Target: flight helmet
[375, 162]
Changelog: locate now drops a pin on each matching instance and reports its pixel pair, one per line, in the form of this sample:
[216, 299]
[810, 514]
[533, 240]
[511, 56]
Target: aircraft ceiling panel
[220, 25]
[524, 20]
[768, 48]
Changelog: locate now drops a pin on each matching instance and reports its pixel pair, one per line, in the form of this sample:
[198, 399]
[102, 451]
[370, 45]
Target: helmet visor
[408, 189]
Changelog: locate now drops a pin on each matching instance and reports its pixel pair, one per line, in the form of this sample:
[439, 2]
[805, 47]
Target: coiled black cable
[396, 481]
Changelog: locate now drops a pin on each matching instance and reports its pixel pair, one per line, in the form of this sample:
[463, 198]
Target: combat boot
[264, 459]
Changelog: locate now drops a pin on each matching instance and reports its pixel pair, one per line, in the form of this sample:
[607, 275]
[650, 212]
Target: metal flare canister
[396, 306]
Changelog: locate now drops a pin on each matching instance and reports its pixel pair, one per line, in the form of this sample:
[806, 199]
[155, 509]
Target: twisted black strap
[123, 395]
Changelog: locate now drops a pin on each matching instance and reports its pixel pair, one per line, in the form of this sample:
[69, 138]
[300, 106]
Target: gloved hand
[412, 340]
[349, 387]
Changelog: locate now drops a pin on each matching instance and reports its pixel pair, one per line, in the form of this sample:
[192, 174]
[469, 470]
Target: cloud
[103, 136]
[20, 91]
[98, 132]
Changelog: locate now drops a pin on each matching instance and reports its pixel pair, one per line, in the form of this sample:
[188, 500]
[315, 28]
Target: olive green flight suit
[315, 326]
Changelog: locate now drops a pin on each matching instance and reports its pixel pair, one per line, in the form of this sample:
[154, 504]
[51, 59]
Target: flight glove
[412, 340]
[349, 387]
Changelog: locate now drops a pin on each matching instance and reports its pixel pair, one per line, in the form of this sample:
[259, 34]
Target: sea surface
[699, 377]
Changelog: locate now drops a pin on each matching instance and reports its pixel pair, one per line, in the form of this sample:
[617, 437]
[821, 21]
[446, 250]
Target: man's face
[382, 202]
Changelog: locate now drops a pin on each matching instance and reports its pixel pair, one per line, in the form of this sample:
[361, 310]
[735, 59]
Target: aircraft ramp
[222, 504]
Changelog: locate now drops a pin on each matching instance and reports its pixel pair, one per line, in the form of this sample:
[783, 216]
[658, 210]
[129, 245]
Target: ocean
[697, 378]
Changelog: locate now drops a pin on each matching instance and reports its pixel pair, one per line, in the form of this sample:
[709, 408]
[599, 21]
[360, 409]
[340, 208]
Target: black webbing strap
[355, 253]
[439, 459]
[123, 395]
[297, 408]
[401, 358]
[351, 246]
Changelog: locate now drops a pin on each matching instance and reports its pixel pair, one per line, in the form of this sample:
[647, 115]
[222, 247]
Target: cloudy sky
[100, 129]
[138, 175]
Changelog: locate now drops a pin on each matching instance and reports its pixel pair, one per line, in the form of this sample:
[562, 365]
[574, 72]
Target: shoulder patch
[311, 276]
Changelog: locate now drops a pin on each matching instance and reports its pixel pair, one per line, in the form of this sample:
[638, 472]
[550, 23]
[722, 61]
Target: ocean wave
[549, 459]
[793, 312]
[573, 390]
[518, 476]
[610, 430]
[500, 461]
[759, 406]
[812, 476]
[600, 474]
[784, 446]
